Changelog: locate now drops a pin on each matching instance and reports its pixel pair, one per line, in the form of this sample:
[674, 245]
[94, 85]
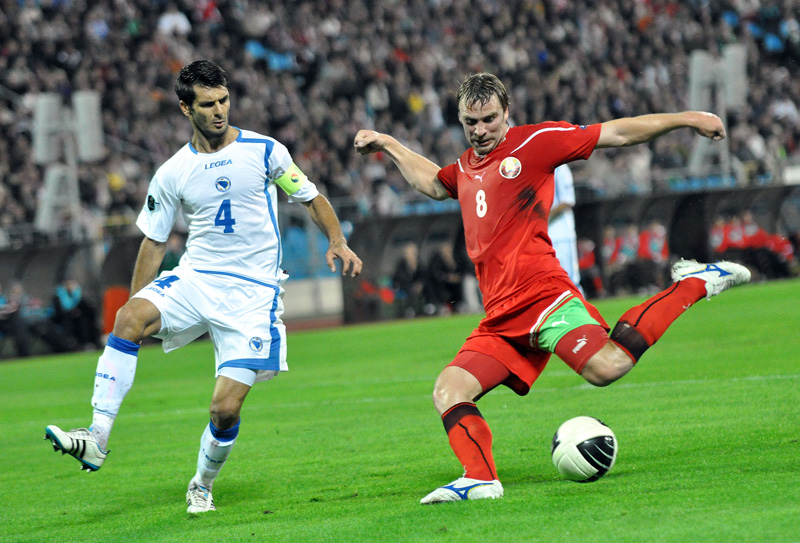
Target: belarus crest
[510, 167]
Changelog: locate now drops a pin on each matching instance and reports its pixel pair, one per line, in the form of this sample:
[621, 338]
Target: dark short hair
[200, 72]
[479, 88]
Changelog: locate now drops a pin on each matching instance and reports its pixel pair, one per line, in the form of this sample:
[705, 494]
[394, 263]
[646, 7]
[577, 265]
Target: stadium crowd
[309, 73]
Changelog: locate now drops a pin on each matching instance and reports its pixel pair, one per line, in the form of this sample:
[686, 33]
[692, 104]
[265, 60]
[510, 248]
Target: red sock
[641, 326]
[471, 440]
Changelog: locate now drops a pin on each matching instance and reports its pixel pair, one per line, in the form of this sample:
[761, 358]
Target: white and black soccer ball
[584, 449]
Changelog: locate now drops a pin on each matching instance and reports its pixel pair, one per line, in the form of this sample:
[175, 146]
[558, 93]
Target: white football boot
[465, 489]
[719, 276]
[199, 499]
[80, 444]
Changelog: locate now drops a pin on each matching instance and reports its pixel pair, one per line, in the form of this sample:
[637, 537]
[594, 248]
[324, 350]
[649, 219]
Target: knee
[129, 324]
[454, 386]
[441, 395]
[224, 413]
[607, 366]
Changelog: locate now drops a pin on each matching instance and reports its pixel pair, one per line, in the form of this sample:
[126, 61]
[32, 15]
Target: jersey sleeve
[291, 179]
[447, 176]
[160, 210]
[557, 143]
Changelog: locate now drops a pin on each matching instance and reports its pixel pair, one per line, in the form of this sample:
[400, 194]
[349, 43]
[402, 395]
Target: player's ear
[186, 108]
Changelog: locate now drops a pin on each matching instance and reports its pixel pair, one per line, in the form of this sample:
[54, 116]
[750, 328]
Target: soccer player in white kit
[561, 227]
[228, 283]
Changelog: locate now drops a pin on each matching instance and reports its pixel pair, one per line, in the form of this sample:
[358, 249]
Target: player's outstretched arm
[634, 130]
[420, 172]
[324, 217]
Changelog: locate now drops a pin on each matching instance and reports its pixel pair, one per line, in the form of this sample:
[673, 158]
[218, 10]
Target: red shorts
[505, 334]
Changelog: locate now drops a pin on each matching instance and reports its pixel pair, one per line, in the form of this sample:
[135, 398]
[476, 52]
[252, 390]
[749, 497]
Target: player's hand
[350, 261]
[710, 126]
[369, 141]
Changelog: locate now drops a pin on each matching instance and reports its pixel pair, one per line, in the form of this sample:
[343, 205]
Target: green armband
[291, 180]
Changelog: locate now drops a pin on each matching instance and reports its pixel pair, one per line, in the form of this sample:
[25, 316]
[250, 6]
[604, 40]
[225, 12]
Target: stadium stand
[312, 73]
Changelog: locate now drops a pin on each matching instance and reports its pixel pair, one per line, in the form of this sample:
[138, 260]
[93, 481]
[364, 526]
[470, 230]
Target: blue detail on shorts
[273, 362]
[274, 334]
[224, 435]
[122, 345]
[254, 363]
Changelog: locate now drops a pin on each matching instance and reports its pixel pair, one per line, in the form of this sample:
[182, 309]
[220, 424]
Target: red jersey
[505, 199]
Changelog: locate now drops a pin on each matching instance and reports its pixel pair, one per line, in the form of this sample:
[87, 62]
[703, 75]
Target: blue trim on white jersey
[274, 220]
[269, 145]
[238, 138]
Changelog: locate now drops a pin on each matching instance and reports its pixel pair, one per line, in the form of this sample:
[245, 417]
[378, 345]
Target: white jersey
[229, 204]
[562, 228]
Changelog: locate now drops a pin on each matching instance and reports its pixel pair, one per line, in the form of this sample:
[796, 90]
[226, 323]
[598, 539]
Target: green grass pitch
[342, 447]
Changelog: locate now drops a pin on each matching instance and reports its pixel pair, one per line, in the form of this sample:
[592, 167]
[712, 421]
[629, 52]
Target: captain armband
[292, 180]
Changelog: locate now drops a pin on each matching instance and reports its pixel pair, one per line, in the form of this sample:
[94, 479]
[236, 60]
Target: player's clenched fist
[369, 141]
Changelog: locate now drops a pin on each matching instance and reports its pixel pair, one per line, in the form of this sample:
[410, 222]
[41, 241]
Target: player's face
[209, 112]
[485, 125]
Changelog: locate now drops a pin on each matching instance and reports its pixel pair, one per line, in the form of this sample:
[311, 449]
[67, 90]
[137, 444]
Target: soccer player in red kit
[504, 185]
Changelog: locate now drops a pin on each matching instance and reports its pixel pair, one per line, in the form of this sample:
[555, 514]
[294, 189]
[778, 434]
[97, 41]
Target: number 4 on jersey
[224, 217]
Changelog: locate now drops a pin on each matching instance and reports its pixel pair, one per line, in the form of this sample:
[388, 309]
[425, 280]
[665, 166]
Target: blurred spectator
[444, 280]
[408, 282]
[76, 315]
[310, 72]
[176, 246]
[652, 264]
[12, 325]
[591, 276]
[743, 240]
[39, 320]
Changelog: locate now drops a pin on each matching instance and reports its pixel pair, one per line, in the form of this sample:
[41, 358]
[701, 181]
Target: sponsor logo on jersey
[223, 184]
[510, 167]
[582, 126]
[218, 163]
[105, 376]
[256, 344]
[151, 202]
[479, 177]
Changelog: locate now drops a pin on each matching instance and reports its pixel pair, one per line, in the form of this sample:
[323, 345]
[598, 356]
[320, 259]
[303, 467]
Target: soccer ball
[584, 449]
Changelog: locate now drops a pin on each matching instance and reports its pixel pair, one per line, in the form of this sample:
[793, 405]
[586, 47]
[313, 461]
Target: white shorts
[242, 315]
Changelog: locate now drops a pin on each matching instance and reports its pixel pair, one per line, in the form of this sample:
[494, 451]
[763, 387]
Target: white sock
[116, 369]
[215, 446]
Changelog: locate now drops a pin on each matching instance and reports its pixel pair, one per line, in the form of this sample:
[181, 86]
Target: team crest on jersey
[223, 184]
[256, 344]
[510, 167]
